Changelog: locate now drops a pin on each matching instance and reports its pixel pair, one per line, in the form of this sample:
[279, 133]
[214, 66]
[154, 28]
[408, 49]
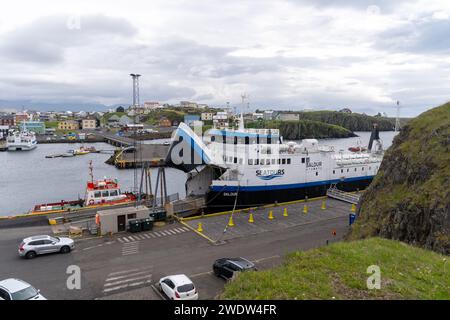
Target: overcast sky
[285, 54]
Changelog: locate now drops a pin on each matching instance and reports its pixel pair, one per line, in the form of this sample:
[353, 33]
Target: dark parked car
[227, 267]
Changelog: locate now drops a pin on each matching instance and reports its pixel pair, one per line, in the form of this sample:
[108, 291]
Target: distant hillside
[303, 129]
[409, 199]
[339, 271]
[350, 121]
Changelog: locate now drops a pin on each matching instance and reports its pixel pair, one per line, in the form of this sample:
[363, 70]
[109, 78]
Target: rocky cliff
[409, 200]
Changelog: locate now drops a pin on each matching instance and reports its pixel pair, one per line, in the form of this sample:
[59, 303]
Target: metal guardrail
[343, 196]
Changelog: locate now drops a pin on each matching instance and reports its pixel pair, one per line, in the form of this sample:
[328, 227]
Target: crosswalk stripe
[130, 238]
[146, 235]
[127, 280]
[122, 272]
[125, 286]
[176, 230]
[185, 228]
[152, 235]
[126, 276]
[164, 233]
[181, 230]
[125, 239]
[157, 234]
[170, 232]
[120, 240]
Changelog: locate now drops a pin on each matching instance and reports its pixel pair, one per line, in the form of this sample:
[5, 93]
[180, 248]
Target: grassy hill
[409, 199]
[338, 271]
[350, 121]
[303, 129]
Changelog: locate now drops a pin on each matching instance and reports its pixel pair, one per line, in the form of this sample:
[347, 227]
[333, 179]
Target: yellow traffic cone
[353, 207]
[270, 215]
[324, 205]
[230, 222]
[250, 218]
[305, 209]
[285, 214]
[200, 227]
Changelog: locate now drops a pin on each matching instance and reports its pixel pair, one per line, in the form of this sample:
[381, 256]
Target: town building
[220, 119]
[4, 131]
[8, 120]
[125, 120]
[113, 120]
[37, 127]
[69, 125]
[207, 116]
[188, 104]
[257, 116]
[164, 122]
[88, 123]
[151, 105]
[21, 116]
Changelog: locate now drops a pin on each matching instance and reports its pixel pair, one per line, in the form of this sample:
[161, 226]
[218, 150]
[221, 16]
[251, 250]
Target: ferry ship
[239, 168]
[21, 141]
[105, 192]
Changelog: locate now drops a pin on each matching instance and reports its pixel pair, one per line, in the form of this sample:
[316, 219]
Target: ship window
[273, 161]
[283, 161]
[317, 173]
[113, 193]
[235, 140]
[289, 161]
[303, 160]
[213, 138]
[247, 140]
[362, 169]
[334, 171]
[342, 170]
[235, 160]
[240, 161]
[97, 194]
[370, 168]
[105, 193]
[250, 161]
[347, 170]
[279, 161]
[256, 161]
[356, 169]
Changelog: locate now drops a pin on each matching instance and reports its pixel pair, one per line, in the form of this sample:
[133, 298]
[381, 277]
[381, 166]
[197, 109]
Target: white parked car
[178, 287]
[15, 289]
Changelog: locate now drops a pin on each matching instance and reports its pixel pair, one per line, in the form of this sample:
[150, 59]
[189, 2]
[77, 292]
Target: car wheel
[30, 255]
[65, 249]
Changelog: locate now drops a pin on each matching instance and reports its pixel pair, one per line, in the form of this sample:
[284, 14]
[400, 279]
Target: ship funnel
[374, 136]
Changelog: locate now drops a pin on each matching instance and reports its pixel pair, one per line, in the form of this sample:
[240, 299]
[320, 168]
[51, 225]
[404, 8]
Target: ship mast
[91, 174]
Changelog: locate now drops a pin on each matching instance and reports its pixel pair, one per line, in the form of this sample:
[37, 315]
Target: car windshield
[186, 287]
[24, 294]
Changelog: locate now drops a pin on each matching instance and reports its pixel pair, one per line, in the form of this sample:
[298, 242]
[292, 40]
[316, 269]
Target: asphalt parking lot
[217, 228]
[126, 265]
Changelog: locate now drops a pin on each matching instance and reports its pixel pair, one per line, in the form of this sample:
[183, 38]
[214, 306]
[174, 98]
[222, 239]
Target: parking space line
[128, 275]
[126, 285]
[127, 280]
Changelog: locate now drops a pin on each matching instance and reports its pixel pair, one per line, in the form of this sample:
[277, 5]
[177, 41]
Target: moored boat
[104, 192]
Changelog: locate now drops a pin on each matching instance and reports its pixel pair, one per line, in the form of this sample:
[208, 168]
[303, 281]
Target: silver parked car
[15, 289]
[32, 246]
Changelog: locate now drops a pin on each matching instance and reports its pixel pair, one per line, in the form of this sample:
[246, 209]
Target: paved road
[115, 269]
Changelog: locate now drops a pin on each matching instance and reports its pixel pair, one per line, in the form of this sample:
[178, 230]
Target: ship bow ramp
[188, 151]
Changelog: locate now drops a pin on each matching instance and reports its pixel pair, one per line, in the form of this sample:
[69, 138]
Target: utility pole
[135, 107]
[397, 118]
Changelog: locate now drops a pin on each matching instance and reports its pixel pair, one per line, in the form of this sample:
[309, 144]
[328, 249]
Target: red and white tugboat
[105, 192]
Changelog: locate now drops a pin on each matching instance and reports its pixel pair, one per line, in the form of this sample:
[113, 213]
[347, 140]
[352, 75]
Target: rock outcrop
[409, 200]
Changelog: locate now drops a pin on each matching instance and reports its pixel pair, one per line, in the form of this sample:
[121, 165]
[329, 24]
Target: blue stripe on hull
[222, 200]
[286, 186]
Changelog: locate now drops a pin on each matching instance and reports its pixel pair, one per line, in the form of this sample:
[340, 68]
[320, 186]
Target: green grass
[338, 271]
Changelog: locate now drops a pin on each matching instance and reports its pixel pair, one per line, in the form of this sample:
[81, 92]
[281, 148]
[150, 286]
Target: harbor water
[28, 178]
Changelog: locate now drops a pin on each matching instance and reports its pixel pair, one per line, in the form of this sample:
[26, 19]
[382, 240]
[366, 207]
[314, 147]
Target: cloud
[284, 54]
[45, 39]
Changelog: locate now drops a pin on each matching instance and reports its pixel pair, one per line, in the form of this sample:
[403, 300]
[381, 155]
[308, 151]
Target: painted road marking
[127, 278]
[153, 234]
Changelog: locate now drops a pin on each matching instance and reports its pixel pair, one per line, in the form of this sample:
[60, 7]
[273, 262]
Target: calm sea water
[28, 178]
